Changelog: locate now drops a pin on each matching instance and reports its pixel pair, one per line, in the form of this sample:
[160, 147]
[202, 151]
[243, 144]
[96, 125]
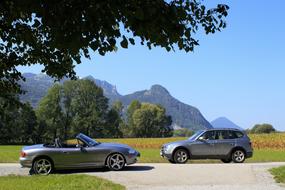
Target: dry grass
[273, 141]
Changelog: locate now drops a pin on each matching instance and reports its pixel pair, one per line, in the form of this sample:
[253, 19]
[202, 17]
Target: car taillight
[23, 154]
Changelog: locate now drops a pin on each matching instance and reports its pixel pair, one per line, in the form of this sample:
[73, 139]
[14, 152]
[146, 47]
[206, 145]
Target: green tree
[27, 124]
[50, 112]
[134, 105]
[118, 106]
[115, 122]
[17, 123]
[114, 125]
[90, 108]
[8, 121]
[127, 129]
[151, 121]
[74, 107]
[56, 33]
[262, 128]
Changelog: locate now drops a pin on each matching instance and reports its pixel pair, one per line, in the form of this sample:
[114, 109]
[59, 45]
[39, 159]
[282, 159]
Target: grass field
[267, 148]
[54, 182]
[279, 174]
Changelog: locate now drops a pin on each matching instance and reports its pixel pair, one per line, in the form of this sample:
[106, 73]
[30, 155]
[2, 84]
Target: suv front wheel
[180, 156]
[238, 156]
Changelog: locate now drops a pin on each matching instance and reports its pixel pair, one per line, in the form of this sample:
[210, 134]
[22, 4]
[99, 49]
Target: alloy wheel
[116, 162]
[43, 166]
[181, 156]
[238, 156]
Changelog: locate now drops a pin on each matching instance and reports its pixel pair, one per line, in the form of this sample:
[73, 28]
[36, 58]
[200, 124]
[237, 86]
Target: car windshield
[88, 140]
[193, 137]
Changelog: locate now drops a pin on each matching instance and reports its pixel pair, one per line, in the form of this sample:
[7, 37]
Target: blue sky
[238, 73]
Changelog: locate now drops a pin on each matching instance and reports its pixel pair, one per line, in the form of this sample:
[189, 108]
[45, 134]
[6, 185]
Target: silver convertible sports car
[87, 153]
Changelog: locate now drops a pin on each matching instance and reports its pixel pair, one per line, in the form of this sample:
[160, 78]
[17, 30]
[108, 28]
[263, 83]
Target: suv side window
[221, 135]
[235, 134]
[209, 135]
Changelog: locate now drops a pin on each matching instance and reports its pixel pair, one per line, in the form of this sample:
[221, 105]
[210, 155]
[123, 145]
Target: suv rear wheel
[180, 156]
[238, 156]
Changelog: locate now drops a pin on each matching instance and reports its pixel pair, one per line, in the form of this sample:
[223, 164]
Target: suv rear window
[235, 134]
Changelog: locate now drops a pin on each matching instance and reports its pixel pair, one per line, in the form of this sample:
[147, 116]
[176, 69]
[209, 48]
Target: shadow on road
[97, 170]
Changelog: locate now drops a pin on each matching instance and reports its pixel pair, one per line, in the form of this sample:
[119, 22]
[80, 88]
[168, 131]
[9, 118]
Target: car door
[223, 144]
[204, 145]
[96, 155]
[72, 157]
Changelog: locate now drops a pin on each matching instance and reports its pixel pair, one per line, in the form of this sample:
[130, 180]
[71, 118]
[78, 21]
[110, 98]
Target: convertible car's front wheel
[42, 166]
[116, 162]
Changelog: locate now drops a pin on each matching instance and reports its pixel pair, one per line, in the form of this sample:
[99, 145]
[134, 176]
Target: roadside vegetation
[279, 174]
[62, 182]
[267, 148]
[261, 129]
[80, 106]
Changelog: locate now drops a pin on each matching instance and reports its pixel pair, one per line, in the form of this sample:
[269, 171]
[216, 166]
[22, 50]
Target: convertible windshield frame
[196, 135]
[88, 140]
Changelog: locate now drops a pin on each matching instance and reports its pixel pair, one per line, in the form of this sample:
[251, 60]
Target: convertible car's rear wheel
[116, 162]
[42, 166]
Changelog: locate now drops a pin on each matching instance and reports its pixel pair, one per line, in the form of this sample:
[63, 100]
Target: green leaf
[37, 23]
[132, 41]
[124, 42]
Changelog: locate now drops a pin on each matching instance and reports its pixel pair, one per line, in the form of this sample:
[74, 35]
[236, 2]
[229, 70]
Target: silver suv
[225, 144]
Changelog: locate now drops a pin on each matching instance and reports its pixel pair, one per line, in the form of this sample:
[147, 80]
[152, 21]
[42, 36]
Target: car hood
[105, 145]
[33, 147]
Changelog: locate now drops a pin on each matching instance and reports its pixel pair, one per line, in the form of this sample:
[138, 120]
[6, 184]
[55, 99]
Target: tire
[171, 161]
[238, 156]
[180, 156]
[42, 166]
[226, 160]
[116, 162]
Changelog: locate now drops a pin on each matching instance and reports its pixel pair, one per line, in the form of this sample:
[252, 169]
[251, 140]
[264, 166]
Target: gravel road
[249, 176]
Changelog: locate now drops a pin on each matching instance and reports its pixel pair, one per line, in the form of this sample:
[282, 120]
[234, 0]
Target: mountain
[223, 122]
[183, 115]
[35, 87]
[109, 90]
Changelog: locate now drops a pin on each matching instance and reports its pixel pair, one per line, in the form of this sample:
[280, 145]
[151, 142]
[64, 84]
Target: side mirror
[201, 139]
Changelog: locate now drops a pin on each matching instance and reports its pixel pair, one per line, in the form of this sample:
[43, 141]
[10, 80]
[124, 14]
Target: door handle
[64, 152]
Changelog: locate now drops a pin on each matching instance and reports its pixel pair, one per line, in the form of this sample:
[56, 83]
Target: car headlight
[132, 151]
[167, 148]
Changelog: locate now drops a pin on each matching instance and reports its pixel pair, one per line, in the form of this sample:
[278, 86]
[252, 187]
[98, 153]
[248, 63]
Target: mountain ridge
[183, 115]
